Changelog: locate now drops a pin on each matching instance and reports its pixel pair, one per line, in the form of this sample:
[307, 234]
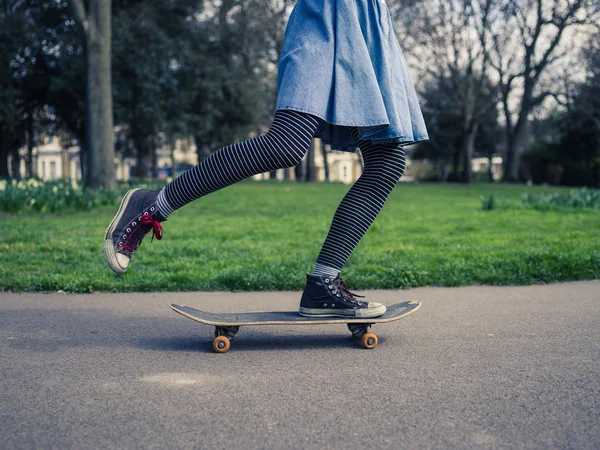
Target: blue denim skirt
[341, 62]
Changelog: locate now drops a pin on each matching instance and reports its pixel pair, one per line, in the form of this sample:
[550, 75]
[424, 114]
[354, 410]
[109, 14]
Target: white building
[343, 166]
[53, 160]
[483, 164]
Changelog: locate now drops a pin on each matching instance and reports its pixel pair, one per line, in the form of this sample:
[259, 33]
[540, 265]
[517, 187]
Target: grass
[266, 235]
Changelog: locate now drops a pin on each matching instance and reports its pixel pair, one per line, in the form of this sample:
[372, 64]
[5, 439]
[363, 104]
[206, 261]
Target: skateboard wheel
[221, 344]
[369, 340]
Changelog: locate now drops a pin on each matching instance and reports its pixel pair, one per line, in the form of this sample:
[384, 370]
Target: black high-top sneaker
[327, 296]
[137, 215]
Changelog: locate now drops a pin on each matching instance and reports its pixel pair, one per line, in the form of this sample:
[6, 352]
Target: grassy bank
[265, 236]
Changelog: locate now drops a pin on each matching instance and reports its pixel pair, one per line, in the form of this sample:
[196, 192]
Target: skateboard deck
[227, 325]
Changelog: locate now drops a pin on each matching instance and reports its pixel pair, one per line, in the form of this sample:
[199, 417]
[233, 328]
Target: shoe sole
[311, 312]
[109, 247]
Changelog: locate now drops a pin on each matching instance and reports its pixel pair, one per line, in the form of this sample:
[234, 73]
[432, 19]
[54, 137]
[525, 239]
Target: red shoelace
[157, 232]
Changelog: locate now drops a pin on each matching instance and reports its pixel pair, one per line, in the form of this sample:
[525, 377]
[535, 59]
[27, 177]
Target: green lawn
[265, 236]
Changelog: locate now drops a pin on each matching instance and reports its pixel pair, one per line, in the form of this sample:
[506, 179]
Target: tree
[443, 119]
[95, 27]
[148, 97]
[225, 74]
[448, 38]
[25, 64]
[523, 43]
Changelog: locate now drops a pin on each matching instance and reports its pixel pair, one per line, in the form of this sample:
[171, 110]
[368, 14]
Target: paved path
[476, 367]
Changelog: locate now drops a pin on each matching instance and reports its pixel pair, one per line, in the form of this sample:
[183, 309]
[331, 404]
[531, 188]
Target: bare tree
[448, 40]
[95, 26]
[524, 42]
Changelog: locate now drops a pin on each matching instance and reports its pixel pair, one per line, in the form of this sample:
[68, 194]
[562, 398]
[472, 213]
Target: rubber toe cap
[374, 310]
[122, 261]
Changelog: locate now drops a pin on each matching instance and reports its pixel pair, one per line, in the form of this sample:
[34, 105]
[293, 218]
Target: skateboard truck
[359, 333]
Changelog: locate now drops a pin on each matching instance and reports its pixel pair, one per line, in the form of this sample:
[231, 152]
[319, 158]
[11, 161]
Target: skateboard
[227, 325]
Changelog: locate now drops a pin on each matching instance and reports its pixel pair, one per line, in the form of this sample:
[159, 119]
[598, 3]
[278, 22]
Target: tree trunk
[96, 27]
[515, 145]
[145, 149]
[143, 166]
[490, 171]
[311, 169]
[325, 162]
[455, 164]
[173, 163]
[15, 165]
[29, 160]
[3, 154]
[517, 136]
[442, 170]
[468, 143]
[299, 171]
[202, 148]
[153, 155]
[82, 157]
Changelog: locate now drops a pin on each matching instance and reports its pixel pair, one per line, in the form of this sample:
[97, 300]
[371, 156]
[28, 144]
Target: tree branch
[80, 15]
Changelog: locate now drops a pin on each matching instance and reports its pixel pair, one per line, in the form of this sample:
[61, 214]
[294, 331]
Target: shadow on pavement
[51, 330]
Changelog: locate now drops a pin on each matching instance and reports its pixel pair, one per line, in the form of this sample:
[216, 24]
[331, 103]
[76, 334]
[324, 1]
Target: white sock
[163, 205]
[321, 269]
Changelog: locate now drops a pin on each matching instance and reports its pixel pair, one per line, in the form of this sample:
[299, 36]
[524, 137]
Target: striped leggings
[285, 145]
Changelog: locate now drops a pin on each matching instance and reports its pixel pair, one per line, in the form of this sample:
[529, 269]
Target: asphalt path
[475, 367]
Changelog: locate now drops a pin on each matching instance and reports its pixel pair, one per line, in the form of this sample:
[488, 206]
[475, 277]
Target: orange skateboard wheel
[221, 344]
[369, 340]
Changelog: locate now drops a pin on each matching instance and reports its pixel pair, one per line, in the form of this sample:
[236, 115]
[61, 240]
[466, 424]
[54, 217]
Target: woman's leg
[284, 145]
[325, 293]
[384, 164]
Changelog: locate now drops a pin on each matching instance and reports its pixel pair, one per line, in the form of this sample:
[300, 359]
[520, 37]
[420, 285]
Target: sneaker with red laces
[137, 215]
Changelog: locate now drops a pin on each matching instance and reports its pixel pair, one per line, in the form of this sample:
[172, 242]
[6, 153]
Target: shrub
[64, 194]
[574, 198]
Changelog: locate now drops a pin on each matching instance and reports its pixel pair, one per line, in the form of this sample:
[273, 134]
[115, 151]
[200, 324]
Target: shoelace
[339, 283]
[145, 219]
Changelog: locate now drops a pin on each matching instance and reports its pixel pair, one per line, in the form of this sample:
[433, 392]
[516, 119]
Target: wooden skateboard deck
[227, 325]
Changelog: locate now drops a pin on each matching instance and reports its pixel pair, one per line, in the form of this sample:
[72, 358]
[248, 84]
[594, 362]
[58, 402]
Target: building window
[52, 170]
[43, 170]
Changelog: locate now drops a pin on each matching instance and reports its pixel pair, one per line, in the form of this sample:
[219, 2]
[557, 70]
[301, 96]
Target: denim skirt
[341, 62]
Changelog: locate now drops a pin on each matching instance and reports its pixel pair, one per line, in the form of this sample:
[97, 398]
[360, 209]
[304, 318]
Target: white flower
[55, 189]
[3, 185]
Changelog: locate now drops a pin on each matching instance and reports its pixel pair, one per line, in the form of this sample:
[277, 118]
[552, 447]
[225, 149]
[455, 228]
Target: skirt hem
[403, 140]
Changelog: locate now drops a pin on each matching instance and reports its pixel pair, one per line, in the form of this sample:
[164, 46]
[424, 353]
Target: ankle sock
[164, 207]
[321, 269]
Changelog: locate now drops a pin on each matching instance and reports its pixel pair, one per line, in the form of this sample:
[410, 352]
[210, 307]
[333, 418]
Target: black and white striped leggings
[284, 145]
